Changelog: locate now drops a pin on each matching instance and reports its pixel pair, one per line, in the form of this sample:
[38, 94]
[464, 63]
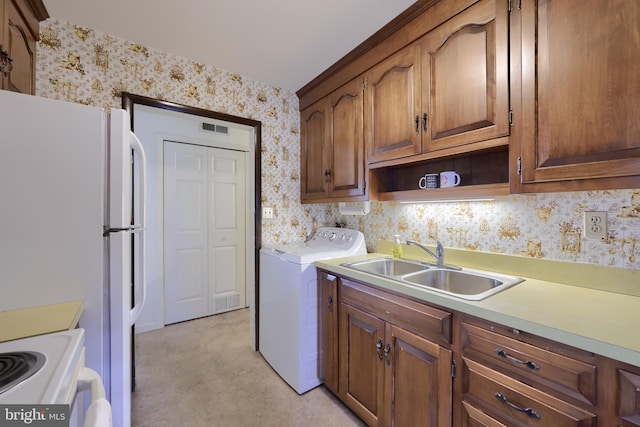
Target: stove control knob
[333, 236]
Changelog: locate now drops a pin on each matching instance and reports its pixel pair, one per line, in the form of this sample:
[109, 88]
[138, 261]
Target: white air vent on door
[225, 303]
[215, 128]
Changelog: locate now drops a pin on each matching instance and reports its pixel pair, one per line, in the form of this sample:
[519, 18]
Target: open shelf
[482, 174]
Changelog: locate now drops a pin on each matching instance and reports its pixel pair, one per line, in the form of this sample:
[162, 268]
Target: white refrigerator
[72, 218]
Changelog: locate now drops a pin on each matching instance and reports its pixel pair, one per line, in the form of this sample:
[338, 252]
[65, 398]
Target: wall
[545, 226]
[81, 65]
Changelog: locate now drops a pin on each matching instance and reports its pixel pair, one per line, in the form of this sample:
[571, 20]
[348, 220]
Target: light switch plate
[595, 225]
[267, 213]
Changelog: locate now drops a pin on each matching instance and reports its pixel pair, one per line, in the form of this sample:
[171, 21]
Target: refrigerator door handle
[141, 283]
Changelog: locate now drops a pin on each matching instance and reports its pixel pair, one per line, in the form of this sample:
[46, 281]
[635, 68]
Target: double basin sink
[463, 283]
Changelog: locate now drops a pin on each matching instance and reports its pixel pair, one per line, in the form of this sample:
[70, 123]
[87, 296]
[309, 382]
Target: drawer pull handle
[527, 363]
[528, 411]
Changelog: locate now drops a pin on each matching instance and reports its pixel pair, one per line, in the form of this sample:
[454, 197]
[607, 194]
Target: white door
[226, 229]
[204, 231]
[185, 231]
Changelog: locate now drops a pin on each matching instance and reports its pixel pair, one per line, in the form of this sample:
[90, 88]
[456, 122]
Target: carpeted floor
[204, 373]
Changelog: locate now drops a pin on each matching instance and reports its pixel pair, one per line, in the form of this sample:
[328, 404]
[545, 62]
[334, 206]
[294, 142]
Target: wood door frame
[128, 102]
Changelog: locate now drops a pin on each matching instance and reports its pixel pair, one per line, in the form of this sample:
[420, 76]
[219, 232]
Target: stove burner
[16, 367]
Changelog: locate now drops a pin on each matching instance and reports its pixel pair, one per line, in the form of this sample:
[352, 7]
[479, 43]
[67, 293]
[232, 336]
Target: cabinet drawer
[473, 417]
[428, 322]
[629, 397]
[514, 403]
[562, 375]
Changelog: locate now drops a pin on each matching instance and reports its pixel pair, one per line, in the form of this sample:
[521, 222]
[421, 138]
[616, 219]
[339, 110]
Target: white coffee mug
[449, 179]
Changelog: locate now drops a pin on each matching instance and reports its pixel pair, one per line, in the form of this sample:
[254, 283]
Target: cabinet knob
[417, 122]
[6, 63]
[330, 303]
[387, 351]
[379, 348]
[425, 117]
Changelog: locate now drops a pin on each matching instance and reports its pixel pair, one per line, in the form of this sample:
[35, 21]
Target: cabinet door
[314, 134]
[465, 80]
[361, 363]
[580, 93]
[629, 397]
[328, 297]
[392, 107]
[346, 173]
[418, 381]
[20, 44]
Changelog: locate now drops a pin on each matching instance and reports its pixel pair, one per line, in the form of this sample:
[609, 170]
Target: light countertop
[595, 320]
[29, 322]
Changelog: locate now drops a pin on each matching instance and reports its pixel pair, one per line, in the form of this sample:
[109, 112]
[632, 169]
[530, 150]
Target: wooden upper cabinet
[465, 89]
[392, 107]
[314, 136]
[332, 147]
[19, 24]
[347, 144]
[448, 89]
[576, 95]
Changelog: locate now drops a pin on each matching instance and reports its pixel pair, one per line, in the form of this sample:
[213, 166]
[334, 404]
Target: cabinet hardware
[501, 397]
[6, 63]
[510, 117]
[425, 117]
[379, 348]
[527, 363]
[330, 303]
[387, 357]
[417, 122]
[453, 369]
[519, 168]
[327, 175]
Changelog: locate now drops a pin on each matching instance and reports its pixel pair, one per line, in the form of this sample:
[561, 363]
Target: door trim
[128, 102]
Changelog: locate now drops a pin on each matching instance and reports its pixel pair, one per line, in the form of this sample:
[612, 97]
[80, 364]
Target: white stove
[56, 380]
[60, 379]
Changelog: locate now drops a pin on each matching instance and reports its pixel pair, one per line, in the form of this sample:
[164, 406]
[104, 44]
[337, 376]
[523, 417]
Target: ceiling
[286, 43]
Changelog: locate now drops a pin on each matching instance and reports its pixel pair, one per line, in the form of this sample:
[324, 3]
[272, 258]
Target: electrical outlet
[595, 225]
[267, 213]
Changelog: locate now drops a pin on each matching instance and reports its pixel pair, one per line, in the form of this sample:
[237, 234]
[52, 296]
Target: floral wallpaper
[81, 65]
[546, 225]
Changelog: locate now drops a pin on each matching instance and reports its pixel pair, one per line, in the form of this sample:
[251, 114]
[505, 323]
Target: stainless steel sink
[473, 285]
[464, 283]
[388, 267]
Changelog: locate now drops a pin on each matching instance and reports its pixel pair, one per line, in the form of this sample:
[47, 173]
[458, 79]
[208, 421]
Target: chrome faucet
[438, 256]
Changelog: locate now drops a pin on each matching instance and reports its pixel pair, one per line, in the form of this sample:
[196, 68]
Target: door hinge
[453, 369]
[364, 86]
[510, 117]
[519, 166]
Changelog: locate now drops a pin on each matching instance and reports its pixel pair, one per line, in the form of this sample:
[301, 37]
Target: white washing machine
[289, 302]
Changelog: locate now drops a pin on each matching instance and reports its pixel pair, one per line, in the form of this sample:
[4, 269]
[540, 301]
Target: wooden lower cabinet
[628, 392]
[399, 362]
[390, 376]
[515, 403]
[328, 330]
